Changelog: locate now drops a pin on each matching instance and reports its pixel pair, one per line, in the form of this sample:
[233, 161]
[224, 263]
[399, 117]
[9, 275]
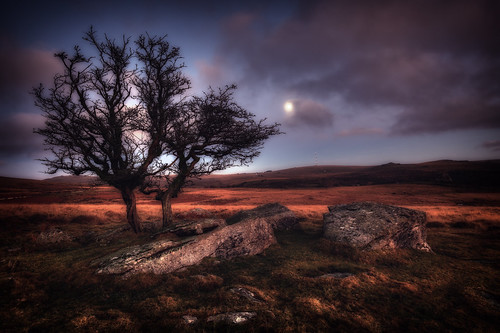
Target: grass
[52, 287]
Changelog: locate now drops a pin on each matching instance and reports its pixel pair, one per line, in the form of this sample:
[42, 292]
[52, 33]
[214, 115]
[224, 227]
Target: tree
[207, 134]
[108, 114]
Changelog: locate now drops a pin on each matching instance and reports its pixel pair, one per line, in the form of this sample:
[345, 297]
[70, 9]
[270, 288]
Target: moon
[288, 107]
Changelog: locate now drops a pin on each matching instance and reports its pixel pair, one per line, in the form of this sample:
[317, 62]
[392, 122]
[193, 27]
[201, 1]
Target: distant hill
[445, 172]
[482, 174]
[18, 188]
[75, 180]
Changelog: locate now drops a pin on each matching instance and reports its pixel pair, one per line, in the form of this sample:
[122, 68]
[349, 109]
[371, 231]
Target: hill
[445, 172]
[478, 174]
[18, 188]
[75, 180]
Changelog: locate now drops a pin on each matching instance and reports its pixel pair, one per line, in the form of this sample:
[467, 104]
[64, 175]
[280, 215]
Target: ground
[52, 286]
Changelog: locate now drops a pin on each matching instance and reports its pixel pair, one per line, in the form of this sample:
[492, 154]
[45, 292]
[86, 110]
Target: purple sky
[370, 81]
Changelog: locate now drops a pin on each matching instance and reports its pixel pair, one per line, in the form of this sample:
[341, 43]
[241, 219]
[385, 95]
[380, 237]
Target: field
[52, 286]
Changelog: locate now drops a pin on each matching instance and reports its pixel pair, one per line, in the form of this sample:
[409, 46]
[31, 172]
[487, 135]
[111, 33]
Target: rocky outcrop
[189, 320]
[246, 294]
[197, 227]
[275, 214]
[249, 237]
[233, 318]
[338, 275]
[376, 226]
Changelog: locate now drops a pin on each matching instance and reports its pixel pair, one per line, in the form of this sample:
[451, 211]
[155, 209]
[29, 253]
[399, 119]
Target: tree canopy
[208, 133]
[123, 114]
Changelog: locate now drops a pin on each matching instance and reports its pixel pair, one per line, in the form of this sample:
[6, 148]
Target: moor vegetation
[52, 286]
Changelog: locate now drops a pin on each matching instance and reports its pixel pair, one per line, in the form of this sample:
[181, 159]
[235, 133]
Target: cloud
[493, 145]
[21, 70]
[361, 131]
[212, 73]
[17, 137]
[436, 61]
[310, 114]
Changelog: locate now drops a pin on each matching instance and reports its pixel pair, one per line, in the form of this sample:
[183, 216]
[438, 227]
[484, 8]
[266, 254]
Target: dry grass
[54, 288]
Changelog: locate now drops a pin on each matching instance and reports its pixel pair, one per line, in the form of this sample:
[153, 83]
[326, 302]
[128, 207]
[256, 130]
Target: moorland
[52, 286]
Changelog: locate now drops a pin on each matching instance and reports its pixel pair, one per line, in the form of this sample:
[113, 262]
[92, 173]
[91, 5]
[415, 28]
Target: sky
[351, 82]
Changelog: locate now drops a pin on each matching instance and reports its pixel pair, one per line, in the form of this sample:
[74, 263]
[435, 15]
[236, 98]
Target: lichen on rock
[277, 215]
[250, 237]
[234, 318]
[373, 226]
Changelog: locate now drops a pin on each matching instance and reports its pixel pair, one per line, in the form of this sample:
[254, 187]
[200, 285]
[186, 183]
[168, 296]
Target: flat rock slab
[338, 275]
[197, 227]
[374, 226]
[232, 317]
[245, 293]
[189, 320]
[277, 215]
[249, 237]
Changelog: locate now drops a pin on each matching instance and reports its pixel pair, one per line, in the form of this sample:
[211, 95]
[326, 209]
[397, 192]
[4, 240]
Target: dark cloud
[361, 131]
[212, 73]
[493, 145]
[309, 113]
[17, 137]
[437, 61]
[460, 114]
[21, 70]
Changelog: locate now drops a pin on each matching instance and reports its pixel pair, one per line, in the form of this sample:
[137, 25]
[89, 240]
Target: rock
[246, 238]
[105, 238]
[15, 249]
[52, 236]
[189, 320]
[338, 275]
[245, 293]
[232, 317]
[277, 215]
[198, 227]
[127, 259]
[376, 226]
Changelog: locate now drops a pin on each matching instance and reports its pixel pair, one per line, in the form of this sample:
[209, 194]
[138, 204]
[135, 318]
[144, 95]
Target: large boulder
[376, 226]
[275, 214]
[250, 237]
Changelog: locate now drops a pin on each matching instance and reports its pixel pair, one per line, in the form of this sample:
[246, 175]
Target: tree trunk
[174, 188]
[166, 209]
[128, 196]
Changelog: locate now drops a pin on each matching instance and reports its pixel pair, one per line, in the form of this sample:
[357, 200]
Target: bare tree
[207, 134]
[108, 114]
